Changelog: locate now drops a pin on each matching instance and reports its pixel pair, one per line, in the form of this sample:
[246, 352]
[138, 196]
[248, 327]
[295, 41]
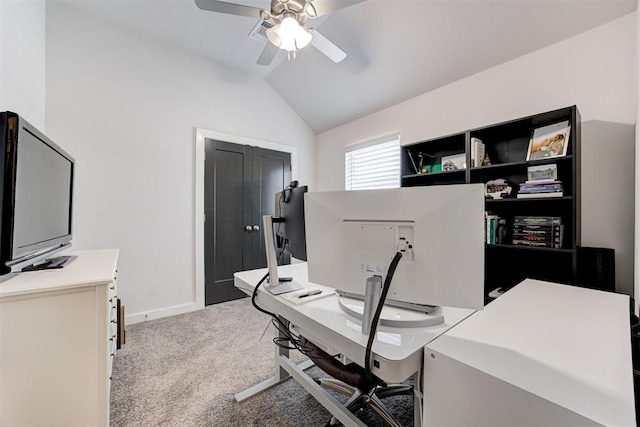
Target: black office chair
[363, 388]
[352, 380]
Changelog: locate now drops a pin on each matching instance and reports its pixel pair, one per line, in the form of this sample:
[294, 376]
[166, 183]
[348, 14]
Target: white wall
[126, 108]
[22, 59]
[2, 38]
[636, 293]
[595, 70]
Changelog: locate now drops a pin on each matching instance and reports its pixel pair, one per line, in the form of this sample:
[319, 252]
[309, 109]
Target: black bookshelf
[506, 145]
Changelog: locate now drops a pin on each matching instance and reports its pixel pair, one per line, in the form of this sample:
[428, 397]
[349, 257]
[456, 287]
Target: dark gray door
[240, 186]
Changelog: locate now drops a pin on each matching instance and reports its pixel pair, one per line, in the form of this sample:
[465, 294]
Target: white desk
[541, 354]
[399, 352]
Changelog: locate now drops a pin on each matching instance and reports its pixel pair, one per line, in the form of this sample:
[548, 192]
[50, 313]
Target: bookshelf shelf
[522, 164]
[434, 174]
[506, 144]
[530, 248]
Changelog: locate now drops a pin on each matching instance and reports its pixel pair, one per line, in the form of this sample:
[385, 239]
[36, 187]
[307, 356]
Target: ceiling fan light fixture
[273, 36]
[289, 35]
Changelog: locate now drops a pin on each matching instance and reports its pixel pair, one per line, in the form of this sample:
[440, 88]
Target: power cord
[286, 334]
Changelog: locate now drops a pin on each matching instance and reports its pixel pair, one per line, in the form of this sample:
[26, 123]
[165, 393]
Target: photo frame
[549, 141]
[454, 162]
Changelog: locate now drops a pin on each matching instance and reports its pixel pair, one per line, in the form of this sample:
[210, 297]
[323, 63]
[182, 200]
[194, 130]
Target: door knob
[256, 228]
[248, 228]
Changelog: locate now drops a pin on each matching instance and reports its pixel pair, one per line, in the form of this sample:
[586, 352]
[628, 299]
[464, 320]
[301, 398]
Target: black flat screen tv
[36, 195]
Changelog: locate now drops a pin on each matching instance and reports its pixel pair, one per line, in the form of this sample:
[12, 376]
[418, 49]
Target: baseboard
[163, 312]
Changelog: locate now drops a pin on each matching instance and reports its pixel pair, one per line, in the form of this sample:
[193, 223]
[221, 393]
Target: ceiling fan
[287, 24]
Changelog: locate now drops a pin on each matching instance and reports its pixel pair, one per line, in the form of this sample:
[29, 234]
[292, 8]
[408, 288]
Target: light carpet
[184, 371]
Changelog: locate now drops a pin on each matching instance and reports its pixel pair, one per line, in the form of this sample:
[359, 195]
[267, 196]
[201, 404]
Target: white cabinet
[57, 342]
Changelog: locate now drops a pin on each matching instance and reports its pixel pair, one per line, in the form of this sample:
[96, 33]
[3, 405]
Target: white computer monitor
[352, 235]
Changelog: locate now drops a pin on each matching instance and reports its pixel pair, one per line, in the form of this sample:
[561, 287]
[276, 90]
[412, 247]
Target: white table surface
[95, 268]
[568, 345]
[324, 320]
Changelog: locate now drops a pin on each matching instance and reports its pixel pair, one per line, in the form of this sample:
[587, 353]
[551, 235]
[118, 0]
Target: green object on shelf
[436, 168]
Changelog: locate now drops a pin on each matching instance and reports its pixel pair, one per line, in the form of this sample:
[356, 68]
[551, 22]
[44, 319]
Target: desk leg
[280, 373]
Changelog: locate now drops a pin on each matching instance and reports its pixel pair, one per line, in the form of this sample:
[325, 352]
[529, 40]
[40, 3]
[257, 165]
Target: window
[373, 165]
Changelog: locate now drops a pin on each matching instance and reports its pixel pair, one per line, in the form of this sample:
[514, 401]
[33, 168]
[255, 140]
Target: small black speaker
[597, 268]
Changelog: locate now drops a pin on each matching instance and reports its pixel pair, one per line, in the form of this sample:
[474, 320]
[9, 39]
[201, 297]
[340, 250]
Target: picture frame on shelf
[454, 162]
[549, 141]
[546, 172]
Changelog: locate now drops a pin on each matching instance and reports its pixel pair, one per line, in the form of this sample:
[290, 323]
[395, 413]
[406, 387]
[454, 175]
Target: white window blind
[373, 166]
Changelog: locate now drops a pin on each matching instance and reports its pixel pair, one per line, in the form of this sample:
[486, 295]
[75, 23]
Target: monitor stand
[364, 310]
[275, 286]
[51, 263]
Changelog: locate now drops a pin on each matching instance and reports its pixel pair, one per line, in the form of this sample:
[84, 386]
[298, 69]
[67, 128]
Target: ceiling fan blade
[230, 8]
[325, 46]
[323, 7]
[268, 53]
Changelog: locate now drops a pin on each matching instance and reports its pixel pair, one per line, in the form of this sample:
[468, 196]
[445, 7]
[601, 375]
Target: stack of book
[542, 181]
[477, 152]
[495, 229]
[538, 231]
[534, 189]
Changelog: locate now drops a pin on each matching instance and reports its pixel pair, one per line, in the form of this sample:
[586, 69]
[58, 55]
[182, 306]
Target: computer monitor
[354, 235]
[291, 229]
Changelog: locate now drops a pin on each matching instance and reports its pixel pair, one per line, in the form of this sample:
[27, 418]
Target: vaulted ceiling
[397, 49]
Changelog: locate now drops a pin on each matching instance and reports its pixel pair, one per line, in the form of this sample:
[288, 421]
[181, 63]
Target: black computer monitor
[291, 231]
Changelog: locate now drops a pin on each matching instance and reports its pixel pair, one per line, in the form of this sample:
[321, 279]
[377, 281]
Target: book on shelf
[532, 189]
[555, 238]
[537, 220]
[536, 244]
[495, 229]
[540, 184]
[490, 224]
[546, 189]
[538, 231]
[538, 234]
[539, 195]
[552, 231]
[477, 152]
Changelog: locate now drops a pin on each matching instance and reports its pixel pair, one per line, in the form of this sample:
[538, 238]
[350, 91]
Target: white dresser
[57, 343]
